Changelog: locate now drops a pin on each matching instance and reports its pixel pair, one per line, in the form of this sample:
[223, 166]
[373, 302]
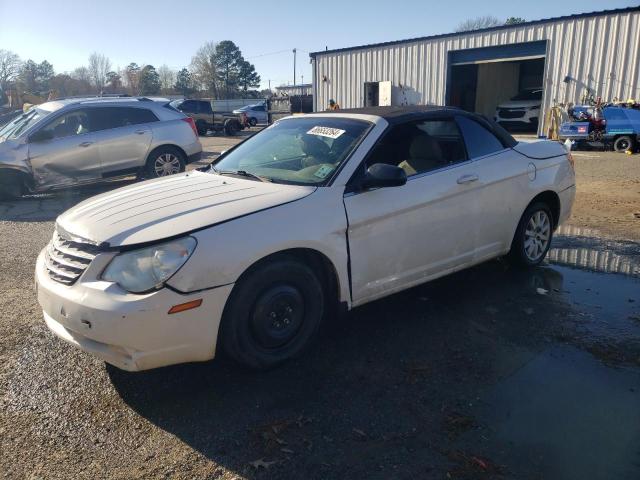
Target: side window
[135, 116]
[419, 147]
[188, 106]
[204, 107]
[69, 124]
[478, 139]
[106, 118]
[259, 108]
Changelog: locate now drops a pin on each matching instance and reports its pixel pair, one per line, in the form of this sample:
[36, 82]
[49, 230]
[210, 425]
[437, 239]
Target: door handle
[85, 144]
[140, 132]
[467, 178]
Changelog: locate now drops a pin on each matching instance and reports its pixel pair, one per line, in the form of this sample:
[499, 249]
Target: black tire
[273, 313]
[12, 185]
[231, 128]
[201, 126]
[530, 245]
[253, 121]
[159, 157]
[623, 143]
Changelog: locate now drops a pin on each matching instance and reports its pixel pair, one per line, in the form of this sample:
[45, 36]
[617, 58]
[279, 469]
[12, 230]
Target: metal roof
[489, 29]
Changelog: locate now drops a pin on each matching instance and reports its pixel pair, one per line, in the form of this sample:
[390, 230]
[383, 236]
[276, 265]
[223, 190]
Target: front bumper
[132, 332]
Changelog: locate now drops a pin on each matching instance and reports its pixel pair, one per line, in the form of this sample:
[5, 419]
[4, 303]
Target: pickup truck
[206, 119]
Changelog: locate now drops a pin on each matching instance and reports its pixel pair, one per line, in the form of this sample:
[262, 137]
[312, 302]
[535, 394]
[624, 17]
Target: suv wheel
[253, 121]
[273, 314]
[164, 161]
[533, 236]
[12, 185]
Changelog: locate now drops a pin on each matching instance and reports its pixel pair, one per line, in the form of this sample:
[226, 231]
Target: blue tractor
[610, 127]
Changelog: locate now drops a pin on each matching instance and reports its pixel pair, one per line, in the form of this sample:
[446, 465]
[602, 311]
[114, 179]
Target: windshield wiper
[241, 173]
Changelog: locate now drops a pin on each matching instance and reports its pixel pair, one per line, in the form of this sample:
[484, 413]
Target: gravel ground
[489, 373]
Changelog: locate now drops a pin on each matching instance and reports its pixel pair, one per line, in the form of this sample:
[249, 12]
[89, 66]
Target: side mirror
[41, 136]
[381, 175]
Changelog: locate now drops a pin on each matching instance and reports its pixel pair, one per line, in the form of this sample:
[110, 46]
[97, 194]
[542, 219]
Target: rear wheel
[164, 161]
[623, 143]
[533, 236]
[273, 314]
[12, 185]
[231, 128]
[201, 126]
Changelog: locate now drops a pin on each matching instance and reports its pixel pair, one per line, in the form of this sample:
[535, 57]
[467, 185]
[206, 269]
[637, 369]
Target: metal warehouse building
[591, 53]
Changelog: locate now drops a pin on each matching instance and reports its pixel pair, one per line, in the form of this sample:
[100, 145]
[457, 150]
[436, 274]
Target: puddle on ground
[565, 415]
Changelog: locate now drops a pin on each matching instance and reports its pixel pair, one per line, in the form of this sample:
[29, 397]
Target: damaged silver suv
[72, 142]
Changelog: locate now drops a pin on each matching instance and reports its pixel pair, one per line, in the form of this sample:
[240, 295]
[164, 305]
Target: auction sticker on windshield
[326, 132]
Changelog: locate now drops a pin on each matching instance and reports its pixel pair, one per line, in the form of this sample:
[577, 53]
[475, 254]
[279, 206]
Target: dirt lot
[490, 373]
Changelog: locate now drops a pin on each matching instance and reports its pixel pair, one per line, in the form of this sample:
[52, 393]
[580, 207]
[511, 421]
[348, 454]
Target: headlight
[149, 268]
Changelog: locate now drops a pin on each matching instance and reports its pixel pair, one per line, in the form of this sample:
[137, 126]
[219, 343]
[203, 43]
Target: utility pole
[294, 66]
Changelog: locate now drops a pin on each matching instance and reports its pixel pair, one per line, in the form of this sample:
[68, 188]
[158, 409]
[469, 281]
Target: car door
[402, 236]
[503, 176]
[124, 136]
[260, 113]
[64, 151]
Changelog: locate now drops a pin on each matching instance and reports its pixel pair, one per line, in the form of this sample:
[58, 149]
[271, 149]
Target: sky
[66, 32]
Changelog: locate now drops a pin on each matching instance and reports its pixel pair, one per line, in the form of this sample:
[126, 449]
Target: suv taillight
[192, 124]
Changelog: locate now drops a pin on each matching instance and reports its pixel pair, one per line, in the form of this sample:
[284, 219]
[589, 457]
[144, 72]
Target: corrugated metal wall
[600, 52]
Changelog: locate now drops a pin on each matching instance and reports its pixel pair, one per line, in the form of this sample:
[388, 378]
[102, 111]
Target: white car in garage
[522, 111]
[313, 214]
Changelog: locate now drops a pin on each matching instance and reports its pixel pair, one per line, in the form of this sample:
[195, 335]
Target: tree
[247, 76]
[99, 65]
[514, 20]
[114, 82]
[167, 77]
[132, 77]
[478, 23]
[149, 83]
[35, 77]
[82, 74]
[9, 67]
[227, 60]
[203, 67]
[184, 82]
[45, 73]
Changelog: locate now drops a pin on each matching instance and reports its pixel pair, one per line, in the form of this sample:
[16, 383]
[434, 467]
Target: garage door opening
[504, 83]
[377, 94]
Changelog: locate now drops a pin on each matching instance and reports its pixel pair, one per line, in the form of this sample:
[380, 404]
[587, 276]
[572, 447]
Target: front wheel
[273, 314]
[533, 236]
[165, 161]
[622, 144]
[253, 121]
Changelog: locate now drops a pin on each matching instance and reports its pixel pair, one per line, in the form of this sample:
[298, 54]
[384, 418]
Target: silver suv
[78, 141]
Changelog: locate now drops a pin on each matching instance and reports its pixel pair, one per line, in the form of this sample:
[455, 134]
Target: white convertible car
[315, 213]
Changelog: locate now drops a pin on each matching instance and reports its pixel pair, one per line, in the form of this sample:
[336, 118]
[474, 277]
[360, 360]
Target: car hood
[163, 208]
[520, 104]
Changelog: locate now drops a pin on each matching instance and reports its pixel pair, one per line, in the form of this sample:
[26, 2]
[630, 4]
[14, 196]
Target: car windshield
[300, 151]
[18, 125]
[528, 95]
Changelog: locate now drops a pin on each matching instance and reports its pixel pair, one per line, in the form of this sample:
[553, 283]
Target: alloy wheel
[166, 164]
[537, 235]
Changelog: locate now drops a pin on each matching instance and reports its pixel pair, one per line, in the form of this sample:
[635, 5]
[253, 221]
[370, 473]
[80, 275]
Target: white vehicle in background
[70, 142]
[255, 114]
[522, 111]
[315, 213]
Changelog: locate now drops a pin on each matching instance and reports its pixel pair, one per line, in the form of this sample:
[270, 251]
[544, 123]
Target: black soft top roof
[399, 114]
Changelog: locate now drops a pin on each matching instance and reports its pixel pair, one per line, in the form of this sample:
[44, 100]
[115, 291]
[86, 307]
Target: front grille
[65, 260]
[504, 113]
